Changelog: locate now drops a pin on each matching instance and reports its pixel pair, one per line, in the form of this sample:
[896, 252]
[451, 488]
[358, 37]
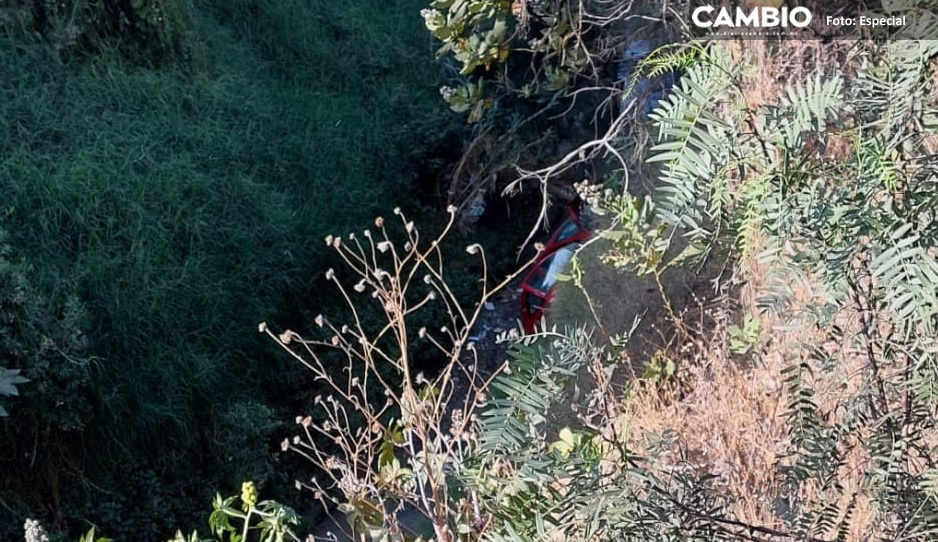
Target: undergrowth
[181, 204]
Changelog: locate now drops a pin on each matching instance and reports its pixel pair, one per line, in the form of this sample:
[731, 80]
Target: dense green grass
[186, 203]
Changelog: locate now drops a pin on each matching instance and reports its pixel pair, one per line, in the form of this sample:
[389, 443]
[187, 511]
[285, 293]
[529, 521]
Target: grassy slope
[186, 205]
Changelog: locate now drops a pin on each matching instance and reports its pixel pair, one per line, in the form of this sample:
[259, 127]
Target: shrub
[44, 345]
[176, 203]
[145, 31]
[480, 456]
[832, 188]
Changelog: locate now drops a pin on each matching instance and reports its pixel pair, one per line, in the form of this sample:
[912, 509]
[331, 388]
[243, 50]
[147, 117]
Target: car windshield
[568, 230]
[547, 271]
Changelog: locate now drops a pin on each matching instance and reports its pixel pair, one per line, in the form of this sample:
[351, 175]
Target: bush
[829, 192]
[176, 203]
[145, 31]
[42, 337]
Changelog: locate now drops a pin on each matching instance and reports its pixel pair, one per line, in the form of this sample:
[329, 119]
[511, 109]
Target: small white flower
[34, 531]
[447, 92]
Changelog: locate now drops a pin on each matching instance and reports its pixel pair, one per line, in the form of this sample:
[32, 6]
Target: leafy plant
[837, 183]
[9, 378]
[260, 521]
[496, 41]
[480, 457]
[744, 340]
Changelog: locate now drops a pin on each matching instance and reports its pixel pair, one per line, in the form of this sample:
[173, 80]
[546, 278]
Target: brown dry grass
[727, 414]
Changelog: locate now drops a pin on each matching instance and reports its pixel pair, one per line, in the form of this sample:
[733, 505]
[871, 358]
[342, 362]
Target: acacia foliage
[833, 185]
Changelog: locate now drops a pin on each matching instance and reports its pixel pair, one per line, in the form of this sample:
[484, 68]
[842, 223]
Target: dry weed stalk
[389, 439]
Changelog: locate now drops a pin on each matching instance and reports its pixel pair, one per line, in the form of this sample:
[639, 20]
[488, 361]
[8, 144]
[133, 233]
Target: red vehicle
[537, 288]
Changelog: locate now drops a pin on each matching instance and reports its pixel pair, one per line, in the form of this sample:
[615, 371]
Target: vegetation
[833, 186]
[155, 211]
[792, 400]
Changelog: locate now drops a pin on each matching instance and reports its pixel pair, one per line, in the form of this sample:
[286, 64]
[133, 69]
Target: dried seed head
[360, 286]
[422, 332]
[397, 210]
[329, 240]
[262, 327]
[474, 249]
[379, 222]
[383, 246]
[319, 320]
[285, 445]
[330, 274]
[450, 209]
[286, 337]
